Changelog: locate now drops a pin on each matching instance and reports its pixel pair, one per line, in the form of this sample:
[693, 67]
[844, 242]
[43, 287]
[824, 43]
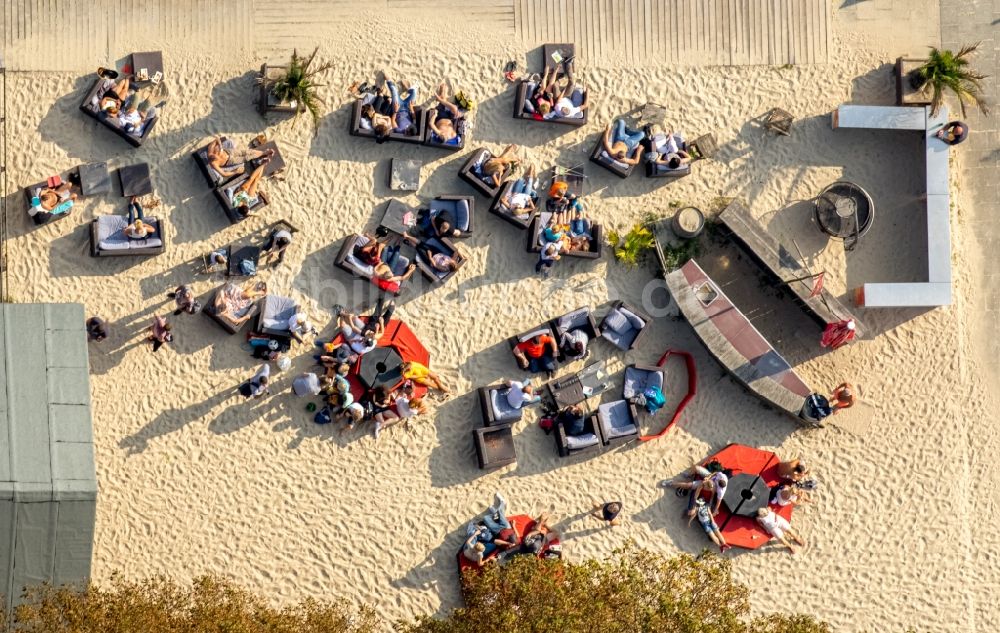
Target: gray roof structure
[48, 482]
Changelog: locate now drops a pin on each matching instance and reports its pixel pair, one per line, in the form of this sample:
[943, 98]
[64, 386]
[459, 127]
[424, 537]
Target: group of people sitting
[706, 486]
[385, 110]
[272, 253]
[380, 257]
[554, 100]
[492, 536]
[663, 148]
[128, 106]
[568, 229]
[538, 353]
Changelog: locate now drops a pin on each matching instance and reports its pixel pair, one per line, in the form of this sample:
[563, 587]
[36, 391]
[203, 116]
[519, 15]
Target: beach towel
[235, 301]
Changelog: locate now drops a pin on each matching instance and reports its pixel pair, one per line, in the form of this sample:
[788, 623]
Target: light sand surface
[194, 480]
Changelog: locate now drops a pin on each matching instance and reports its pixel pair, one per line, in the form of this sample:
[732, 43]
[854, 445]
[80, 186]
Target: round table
[380, 367]
[746, 494]
[844, 210]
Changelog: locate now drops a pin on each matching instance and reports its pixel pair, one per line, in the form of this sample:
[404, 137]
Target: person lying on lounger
[666, 148]
[369, 253]
[420, 374]
[404, 115]
[493, 169]
[446, 119]
[245, 196]
[521, 199]
[440, 261]
[231, 299]
[229, 160]
[566, 103]
[137, 228]
[115, 97]
[389, 281]
[621, 143]
[53, 201]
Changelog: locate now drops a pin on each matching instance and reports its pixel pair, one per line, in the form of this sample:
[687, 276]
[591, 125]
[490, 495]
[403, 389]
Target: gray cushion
[540, 332]
[462, 215]
[502, 411]
[616, 321]
[573, 320]
[277, 312]
[605, 157]
[638, 380]
[621, 341]
[574, 442]
[111, 234]
[615, 419]
[635, 321]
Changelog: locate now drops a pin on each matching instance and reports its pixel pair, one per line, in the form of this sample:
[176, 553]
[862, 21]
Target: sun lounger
[523, 109]
[356, 128]
[460, 127]
[537, 225]
[107, 238]
[470, 173]
[223, 193]
[346, 261]
[617, 421]
[494, 405]
[91, 107]
[590, 439]
[224, 322]
[438, 245]
[215, 179]
[579, 319]
[498, 209]
[272, 320]
[624, 325]
[601, 157]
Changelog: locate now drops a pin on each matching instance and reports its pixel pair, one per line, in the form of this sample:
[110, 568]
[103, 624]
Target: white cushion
[581, 441]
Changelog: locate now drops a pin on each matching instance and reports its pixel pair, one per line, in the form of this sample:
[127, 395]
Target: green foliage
[945, 70]
[676, 256]
[634, 591]
[297, 85]
[159, 605]
[629, 248]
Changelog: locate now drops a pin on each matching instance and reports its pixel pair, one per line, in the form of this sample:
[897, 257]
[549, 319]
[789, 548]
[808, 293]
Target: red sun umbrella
[838, 334]
[381, 366]
[754, 474]
[692, 390]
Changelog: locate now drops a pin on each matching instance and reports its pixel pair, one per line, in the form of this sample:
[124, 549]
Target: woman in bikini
[245, 196]
[232, 161]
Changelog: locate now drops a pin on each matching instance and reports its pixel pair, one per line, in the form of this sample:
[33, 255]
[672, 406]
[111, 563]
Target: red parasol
[738, 530]
[691, 391]
[401, 338]
[838, 334]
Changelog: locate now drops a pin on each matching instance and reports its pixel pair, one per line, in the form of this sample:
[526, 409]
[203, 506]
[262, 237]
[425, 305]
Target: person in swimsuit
[115, 97]
[229, 160]
[371, 252]
[494, 168]
[245, 196]
[444, 120]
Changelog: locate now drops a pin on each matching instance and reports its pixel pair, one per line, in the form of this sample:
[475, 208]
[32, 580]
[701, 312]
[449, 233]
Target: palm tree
[945, 70]
[297, 85]
[630, 247]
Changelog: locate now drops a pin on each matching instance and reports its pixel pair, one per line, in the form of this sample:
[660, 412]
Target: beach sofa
[498, 209]
[471, 172]
[538, 224]
[91, 107]
[544, 329]
[357, 128]
[107, 238]
[652, 169]
[223, 193]
[579, 319]
[524, 109]
[624, 325]
[494, 406]
[248, 309]
[215, 179]
[461, 127]
[462, 208]
[272, 319]
[601, 157]
[35, 190]
[438, 245]
[617, 421]
[346, 261]
[638, 378]
[589, 440]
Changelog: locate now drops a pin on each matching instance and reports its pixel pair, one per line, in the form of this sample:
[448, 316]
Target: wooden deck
[79, 35]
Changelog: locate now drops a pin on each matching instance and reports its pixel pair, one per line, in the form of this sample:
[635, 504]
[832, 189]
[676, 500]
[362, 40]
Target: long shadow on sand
[174, 420]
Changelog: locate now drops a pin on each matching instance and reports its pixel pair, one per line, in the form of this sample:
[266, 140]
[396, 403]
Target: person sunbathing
[112, 101]
[244, 197]
[369, 253]
[137, 228]
[445, 119]
[403, 116]
[793, 470]
[420, 374]
[231, 299]
[53, 201]
[777, 527]
[543, 99]
[493, 169]
[621, 143]
[520, 201]
[441, 262]
[378, 120]
[569, 102]
[229, 160]
[704, 515]
[386, 280]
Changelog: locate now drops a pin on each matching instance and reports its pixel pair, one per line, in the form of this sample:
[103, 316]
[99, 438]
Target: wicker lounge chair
[624, 325]
[31, 191]
[438, 245]
[91, 107]
[494, 406]
[617, 421]
[469, 173]
[451, 147]
[523, 109]
[223, 193]
[420, 120]
[589, 440]
[346, 261]
[224, 322]
[579, 319]
[601, 157]
[534, 238]
[498, 209]
[215, 179]
[107, 238]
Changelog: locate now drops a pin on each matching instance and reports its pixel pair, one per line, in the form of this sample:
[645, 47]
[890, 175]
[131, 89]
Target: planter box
[265, 100]
[905, 94]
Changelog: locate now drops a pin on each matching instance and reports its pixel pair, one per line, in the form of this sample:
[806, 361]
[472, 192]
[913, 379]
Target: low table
[135, 180]
[404, 175]
[94, 179]
[152, 61]
[494, 446]
[745, 494]
[380, 367]
[237, 257]
[398, 217]
[590, 381]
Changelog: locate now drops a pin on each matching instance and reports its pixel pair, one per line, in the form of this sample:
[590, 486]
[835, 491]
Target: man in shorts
[777, 526]
[707, 522]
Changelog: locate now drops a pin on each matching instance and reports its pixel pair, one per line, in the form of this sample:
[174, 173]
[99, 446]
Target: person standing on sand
[184, 299]
[607, 512]
[257, 385]
[97, 329]
[159, 333]
[842, 397]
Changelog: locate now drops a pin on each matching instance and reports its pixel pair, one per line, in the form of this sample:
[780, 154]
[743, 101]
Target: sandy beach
[194, 480]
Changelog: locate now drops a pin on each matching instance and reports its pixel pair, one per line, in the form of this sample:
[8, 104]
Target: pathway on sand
[690, 32]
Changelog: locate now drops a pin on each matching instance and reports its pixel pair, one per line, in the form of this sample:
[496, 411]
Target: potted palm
[630, 247]
[291, 89]
[944, 70]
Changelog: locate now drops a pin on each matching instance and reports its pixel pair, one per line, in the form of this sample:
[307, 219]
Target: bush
[635, 590]
[159, 605]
